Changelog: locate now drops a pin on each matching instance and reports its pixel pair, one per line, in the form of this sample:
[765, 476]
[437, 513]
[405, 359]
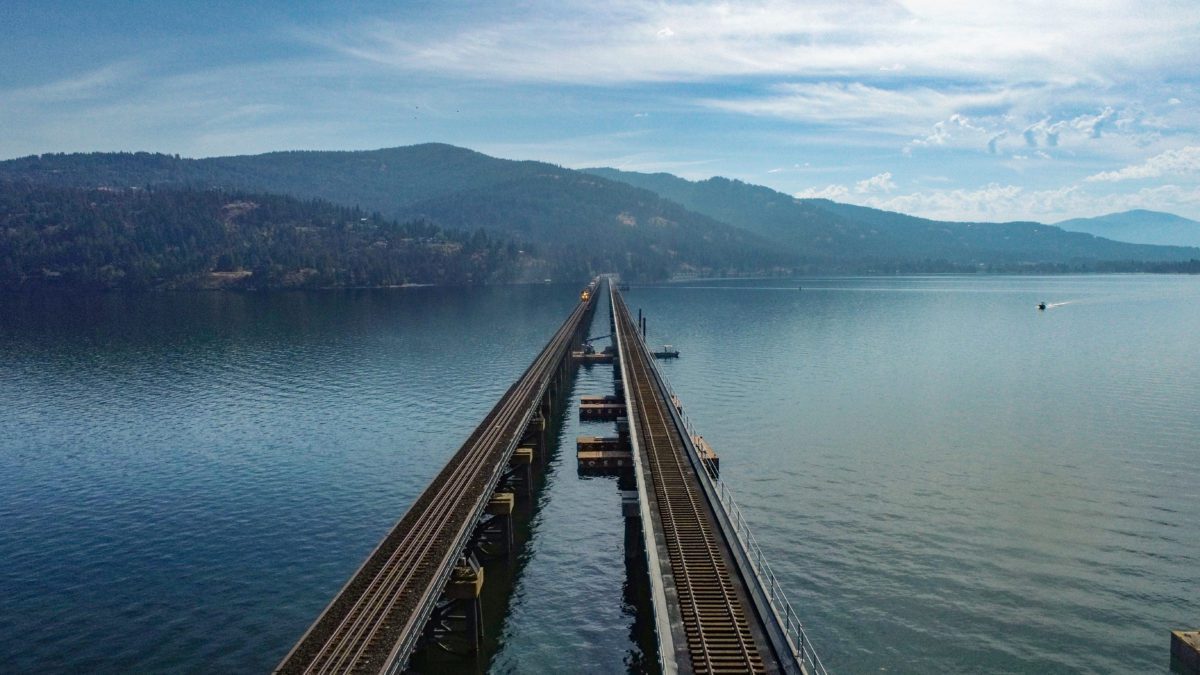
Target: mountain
[599, 225]
[564, 223]
[83, 238]
[588, 224]
[807, 230]
[817, 229]
[1010, 242]
[375, 180]
[1139, 226]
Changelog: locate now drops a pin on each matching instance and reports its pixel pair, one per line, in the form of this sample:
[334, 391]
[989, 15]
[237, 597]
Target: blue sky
[1023, 110]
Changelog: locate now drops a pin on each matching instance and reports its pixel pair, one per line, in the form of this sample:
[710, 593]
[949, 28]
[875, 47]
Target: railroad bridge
[717, 608]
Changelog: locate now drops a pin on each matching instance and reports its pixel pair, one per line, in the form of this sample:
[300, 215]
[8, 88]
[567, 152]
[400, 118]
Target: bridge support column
[535, 437]
[494, 535]
[520, 472]
[456, 624]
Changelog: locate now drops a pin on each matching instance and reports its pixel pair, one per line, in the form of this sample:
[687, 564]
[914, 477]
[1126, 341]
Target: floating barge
[603, 455]
[594, 357]
[601, 408]
[588, 355]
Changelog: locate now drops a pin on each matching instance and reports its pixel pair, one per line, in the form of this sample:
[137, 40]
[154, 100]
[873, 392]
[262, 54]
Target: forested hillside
[375, 180]
[580, 224]
[136, 238]
[589, 223]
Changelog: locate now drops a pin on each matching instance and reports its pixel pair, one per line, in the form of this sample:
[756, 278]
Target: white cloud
[1093, 125]
[947, 130]
[1184, 161]
[878, 183]
[991, 202]
[834, 192]
[77, 87]
[1026, 70]
[1006, 202]
[588, 43]
[978, 118]
[902, 110]
[1107, 133]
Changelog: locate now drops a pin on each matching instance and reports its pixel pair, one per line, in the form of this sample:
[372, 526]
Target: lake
[945, 478]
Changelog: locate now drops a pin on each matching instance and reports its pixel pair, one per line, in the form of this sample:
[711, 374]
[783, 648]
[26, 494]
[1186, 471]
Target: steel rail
[420, 540]
[397, 574]
[454, 489]
[719, 638]
[556, 356]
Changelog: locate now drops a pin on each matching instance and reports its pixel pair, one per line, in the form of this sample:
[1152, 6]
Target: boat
[667, 352]
[1041, 305]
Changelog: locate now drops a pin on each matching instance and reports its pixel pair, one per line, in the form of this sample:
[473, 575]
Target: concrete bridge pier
[519, 476]
[536, 437]
[494, 536]
[456, 625]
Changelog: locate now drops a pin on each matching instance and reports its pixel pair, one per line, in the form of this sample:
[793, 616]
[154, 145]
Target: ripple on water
[911, 483]
[972, 486]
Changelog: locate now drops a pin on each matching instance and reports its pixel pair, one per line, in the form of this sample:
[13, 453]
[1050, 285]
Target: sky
[1039, 110]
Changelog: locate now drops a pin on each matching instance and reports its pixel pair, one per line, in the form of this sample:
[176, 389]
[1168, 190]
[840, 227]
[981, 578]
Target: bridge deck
[713, 624]
[374, 622]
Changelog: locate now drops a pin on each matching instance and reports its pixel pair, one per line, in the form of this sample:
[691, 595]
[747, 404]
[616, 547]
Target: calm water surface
[945, 479]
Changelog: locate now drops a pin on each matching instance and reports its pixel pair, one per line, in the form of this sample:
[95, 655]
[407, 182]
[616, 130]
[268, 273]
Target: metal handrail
[792, 626]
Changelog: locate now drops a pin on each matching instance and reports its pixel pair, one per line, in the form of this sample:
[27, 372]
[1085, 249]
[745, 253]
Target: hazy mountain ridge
[1139, 226]
[806, 230]
[819, 227]
[1005, 242]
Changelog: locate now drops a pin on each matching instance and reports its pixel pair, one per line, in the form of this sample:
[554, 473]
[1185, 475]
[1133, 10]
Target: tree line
[193, 238]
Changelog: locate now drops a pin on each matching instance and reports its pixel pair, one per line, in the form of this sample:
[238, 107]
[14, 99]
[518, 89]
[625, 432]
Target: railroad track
[372, 623]
[719, 637]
